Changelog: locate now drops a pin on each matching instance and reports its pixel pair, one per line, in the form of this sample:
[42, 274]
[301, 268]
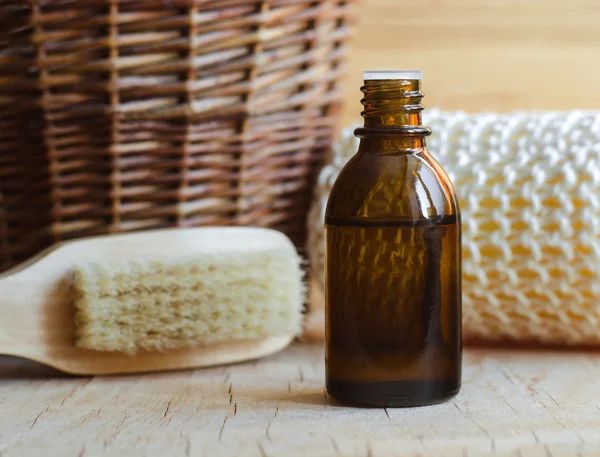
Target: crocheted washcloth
[529, 190]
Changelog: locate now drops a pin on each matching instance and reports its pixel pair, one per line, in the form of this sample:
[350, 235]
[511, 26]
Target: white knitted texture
[529, 191]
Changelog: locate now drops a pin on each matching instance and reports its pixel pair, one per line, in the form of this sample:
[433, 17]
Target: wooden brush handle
[36, 306]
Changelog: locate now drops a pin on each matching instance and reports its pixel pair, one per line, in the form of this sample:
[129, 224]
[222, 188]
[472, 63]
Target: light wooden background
[499, 55]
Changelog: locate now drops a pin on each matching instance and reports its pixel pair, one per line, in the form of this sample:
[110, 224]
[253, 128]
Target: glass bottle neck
[392, 116]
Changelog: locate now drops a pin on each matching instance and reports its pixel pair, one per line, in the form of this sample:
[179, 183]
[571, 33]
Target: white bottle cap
[371, 75]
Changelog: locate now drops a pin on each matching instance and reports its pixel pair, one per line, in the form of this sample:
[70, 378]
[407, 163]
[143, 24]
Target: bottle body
[393, 274]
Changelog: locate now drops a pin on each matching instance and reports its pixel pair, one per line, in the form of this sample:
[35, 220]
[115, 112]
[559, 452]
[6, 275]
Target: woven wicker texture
[136, 114]
[529, 188]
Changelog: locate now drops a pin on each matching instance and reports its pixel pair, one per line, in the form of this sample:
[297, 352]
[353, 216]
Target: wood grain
[511, 404]
[480, 55]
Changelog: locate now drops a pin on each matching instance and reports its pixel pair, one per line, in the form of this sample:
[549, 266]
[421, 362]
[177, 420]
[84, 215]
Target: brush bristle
[129, 306]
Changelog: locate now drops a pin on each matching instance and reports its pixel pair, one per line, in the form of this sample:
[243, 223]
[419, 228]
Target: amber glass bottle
[393, 260]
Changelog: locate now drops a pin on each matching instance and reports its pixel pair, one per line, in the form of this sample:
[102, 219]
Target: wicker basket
[136, 114]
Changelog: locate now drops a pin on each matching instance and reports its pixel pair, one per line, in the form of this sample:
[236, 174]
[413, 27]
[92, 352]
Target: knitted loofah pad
[529, 190]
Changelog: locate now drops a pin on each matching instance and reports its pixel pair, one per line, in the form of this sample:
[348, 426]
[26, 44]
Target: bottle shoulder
[396, 187]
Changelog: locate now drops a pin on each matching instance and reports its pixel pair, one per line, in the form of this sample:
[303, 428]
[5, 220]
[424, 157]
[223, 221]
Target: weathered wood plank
[512, 403]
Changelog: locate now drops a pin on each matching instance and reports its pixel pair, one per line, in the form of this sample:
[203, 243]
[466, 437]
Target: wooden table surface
[512, 403]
